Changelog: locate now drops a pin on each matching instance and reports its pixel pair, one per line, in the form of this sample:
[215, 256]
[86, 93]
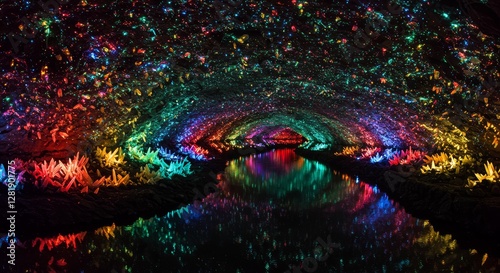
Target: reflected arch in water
[280, 176]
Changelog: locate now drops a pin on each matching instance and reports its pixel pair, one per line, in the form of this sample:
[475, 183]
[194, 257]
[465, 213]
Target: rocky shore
[470, 215]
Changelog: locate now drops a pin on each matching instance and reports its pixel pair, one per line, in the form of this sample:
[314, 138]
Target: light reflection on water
[268, 215]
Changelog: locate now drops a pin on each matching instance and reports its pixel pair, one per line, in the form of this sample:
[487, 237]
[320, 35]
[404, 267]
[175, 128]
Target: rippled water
[273, 212]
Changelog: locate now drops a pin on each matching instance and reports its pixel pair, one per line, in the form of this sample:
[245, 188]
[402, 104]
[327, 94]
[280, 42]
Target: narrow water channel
[273, 212]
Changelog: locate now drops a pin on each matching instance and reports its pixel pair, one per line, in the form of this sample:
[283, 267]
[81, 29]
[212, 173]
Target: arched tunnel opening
[293, 135]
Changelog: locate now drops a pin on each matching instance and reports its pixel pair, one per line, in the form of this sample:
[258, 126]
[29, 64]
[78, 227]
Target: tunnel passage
[333, 73]
[140, 103]
[217, 128]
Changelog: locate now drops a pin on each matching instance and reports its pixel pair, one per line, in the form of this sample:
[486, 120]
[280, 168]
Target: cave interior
[101, 97]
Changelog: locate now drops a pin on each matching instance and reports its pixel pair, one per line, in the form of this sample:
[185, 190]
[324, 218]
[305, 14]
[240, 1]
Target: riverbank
[471, 216]
[50, 213]
[44, 213]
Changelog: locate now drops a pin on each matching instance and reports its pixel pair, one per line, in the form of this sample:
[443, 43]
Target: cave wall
[217, 75]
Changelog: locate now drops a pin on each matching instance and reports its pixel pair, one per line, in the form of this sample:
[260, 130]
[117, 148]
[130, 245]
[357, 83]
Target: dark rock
[476, 192]
[246, 151]
[495, 189]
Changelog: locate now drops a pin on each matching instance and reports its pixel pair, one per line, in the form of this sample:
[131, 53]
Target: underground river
[271, 212]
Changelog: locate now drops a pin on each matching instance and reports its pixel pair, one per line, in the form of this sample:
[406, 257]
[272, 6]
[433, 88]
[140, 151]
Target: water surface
[272, 212]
